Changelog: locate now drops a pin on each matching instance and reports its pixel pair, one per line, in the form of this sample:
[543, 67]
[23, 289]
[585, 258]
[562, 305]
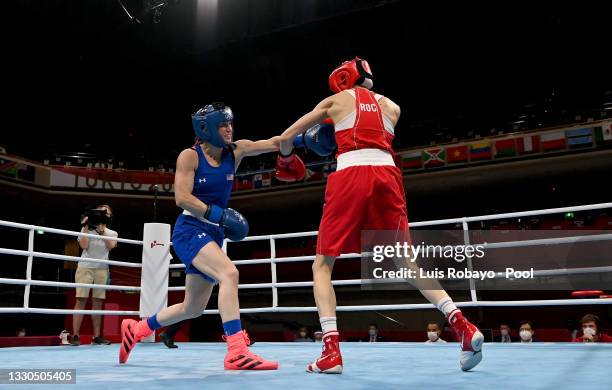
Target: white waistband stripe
[187, 212]
[364, 157]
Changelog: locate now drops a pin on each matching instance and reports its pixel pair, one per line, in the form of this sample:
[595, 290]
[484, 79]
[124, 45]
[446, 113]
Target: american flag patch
[230, 176]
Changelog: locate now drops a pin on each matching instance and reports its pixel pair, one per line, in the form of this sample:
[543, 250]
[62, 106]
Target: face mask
[504, 332]
[433, 336]
[525, 335]
[588, 331]
[21, 334]
[302, 334]
[372, 332]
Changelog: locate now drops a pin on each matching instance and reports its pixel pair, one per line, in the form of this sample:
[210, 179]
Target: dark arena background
[504, 109]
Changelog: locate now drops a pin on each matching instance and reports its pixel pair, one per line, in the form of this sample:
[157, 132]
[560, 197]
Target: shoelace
[245, 335]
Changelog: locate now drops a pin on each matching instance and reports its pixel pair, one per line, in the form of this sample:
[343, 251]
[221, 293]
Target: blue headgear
[206, 123]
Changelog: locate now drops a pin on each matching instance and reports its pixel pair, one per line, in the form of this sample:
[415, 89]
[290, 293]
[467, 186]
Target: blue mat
[367, 366]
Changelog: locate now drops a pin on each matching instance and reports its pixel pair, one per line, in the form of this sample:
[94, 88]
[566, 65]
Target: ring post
[153, 281]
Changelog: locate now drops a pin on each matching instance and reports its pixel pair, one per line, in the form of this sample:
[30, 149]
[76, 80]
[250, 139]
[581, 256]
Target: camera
[96, 217]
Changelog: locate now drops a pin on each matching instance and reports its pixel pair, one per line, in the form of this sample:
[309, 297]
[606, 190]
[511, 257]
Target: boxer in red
[365, 193]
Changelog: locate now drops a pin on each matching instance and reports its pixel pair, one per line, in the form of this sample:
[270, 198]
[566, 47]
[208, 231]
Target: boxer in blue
[202, 185]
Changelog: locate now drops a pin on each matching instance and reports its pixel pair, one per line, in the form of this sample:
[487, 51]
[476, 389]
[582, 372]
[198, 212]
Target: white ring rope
[274, 260]
[40, 310]
[421, 306]
[66, 232]
[548, 241]
[52, 256]
[67, 284]
[519, 214]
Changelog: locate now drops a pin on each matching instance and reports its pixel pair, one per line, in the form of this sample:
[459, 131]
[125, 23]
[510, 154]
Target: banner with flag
[603, 134]
[8, 168]
[257, 180]
[243, 183]
[480, 150]
[434, 157]
[266, 179]
[412, 160]
[457, 154]
[528, 144]
[505, 148]
[552, 141]
[17, 170]
[579, 138]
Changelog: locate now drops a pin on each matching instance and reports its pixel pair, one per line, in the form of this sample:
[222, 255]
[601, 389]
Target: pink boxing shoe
[132, 332]
[239, 357]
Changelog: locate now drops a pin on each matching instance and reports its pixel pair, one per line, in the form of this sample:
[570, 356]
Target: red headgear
[349, 74]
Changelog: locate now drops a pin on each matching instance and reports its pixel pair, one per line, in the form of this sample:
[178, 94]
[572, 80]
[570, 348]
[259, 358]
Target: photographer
[94, 222]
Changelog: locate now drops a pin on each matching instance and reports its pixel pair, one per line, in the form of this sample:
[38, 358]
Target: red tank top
[368, 131]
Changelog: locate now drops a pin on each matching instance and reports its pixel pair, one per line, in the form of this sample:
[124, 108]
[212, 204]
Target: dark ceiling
[80, 76]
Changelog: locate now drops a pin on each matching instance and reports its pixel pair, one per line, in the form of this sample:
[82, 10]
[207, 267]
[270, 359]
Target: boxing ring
[390, 365]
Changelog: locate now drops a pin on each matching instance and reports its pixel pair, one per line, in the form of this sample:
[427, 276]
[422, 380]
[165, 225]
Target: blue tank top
[213, 185]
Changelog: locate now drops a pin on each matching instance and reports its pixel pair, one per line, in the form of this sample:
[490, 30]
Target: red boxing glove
[290, 168]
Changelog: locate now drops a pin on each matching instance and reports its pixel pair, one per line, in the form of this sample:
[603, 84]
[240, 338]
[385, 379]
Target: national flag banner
[480, 150]
[457, 154]
[434, 157]
[257, 180]
[603, 133]
[8, 168]
[505, 148]
[266, 180]
[412, 160]
[243, 183]
[552, 141]
[579, 138]
[528, 144]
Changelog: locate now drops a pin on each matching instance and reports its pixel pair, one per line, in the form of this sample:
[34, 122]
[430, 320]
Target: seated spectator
[21, 332]
[373, 336]
[504, 334]
[302, 335]
[318, 336]
[526, 332]
[433, 333]
[592, 331]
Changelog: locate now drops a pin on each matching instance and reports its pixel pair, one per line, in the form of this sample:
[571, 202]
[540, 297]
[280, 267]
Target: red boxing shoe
[471, 340]
[240, 358]
[132, 332]
[330, 361]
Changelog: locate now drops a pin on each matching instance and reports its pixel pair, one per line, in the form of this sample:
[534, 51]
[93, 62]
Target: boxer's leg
[197, 294]
[324, 294]
[330, 361]
[394, 216]
[211, 260]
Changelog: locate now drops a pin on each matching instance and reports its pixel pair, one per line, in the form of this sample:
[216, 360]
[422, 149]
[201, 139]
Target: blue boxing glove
[321, 138]
[234, 225]
[298, 141]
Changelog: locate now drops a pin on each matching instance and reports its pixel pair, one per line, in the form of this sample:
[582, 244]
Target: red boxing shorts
[361, 197]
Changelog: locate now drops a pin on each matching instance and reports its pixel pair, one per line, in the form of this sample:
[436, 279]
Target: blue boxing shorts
[189, 237]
